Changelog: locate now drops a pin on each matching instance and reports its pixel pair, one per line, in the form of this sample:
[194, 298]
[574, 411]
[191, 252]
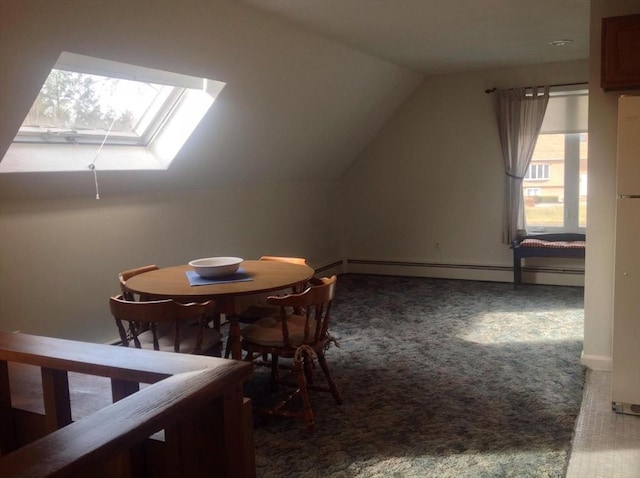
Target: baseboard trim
[336, 268]
[482, 272]
[596, 362]
[443, 265]
[431, 270]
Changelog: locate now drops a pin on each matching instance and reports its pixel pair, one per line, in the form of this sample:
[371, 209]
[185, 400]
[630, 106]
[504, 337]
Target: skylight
[83, 108]
[98, 114]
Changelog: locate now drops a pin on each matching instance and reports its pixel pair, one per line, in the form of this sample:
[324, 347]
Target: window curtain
[520, 113]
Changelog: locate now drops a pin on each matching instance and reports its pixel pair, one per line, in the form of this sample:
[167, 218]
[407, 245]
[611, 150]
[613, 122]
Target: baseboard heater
[483, 267]
[333, 265]
[462, 267]
[430, 265]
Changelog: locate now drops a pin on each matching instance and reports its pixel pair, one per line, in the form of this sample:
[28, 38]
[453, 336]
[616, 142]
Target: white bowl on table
[214, 267]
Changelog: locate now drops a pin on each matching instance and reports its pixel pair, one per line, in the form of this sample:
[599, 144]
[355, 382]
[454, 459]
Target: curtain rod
[491, 90]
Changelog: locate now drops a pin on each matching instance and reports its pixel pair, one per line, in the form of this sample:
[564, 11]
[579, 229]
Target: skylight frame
[141, 136]
[153, 146]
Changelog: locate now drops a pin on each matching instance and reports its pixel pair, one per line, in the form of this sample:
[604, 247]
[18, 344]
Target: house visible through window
[555, 186]
[94, 113]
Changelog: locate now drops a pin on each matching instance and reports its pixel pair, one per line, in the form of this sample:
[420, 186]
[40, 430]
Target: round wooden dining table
[264, 276]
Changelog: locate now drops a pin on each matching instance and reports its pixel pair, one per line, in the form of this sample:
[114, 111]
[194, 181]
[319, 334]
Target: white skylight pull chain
[95, 179]
[92, 166]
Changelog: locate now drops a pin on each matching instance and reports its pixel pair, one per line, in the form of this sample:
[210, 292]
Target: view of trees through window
[98, 113]
[555, 187]
[71, 102]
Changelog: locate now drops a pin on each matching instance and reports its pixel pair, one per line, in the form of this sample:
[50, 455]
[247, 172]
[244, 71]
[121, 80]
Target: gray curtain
[520, 113]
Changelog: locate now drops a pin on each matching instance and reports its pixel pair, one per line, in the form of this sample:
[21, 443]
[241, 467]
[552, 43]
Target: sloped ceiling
[446, 36]
[309, 83]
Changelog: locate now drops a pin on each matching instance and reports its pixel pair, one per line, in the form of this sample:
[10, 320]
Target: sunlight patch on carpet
[439, 378]
[509, 327]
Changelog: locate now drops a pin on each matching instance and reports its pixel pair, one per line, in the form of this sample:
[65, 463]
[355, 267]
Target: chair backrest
[126, 275]
[315, 303]
[163, 316]
[293, 260]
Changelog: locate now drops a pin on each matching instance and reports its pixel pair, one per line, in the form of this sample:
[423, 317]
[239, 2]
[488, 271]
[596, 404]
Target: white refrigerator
[625, 371]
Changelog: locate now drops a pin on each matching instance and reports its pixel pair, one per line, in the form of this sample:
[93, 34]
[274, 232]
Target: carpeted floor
[440, 378]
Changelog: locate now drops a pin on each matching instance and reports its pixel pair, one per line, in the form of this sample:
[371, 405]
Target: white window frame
[154, 149]
[574, 133]
[537, 172]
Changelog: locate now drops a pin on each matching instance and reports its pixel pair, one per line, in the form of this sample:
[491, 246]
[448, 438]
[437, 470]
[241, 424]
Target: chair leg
[304, 394]
[216, 321]
[332, 385]
[227, 348]
[123, 334]
[275, 371]
[308, 368]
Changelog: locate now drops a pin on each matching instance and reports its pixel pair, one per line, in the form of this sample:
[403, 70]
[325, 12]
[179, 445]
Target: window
[82, 108]
[98, 114]
[537, 172]
[557, 175]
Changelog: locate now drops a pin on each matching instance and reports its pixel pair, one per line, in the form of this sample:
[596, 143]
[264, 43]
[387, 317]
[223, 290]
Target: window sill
[30, 157]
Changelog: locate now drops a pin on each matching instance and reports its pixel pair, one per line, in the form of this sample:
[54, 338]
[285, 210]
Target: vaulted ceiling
[444, 36]
[309, 82]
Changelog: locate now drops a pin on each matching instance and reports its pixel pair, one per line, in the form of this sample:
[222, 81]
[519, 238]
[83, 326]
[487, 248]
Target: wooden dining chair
[130, 295]
[255, 307]
[303, 338]
[124, 276]
[259, 307]
[173, 327]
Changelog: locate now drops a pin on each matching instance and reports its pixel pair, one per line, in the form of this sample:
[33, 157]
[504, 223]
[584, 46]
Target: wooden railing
[195, 402]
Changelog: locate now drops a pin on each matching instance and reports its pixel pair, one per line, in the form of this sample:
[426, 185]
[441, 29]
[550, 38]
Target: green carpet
[440, 378]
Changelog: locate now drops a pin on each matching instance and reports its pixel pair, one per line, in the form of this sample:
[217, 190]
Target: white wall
[61, 258]
[433, 174]
[257, 177]
[430, 187]
[297, 106]
[400, 196]
[603, 110]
